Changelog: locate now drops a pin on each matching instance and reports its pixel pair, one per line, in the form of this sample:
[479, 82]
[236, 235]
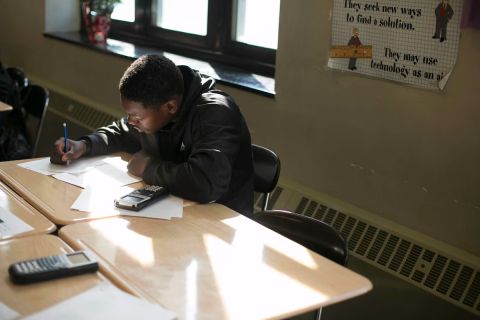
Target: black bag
[13, 141]
[9, 91]
[14, 144]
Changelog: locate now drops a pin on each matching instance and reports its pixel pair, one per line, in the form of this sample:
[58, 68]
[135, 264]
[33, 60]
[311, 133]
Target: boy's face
[148, 120]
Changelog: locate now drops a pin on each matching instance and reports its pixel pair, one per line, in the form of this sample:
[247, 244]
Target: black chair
[19, 76]
[266, 165]
[313, 234]
[35, 102]
[309, 232]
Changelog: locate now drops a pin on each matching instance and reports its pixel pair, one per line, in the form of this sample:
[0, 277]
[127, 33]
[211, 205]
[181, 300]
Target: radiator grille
[409, 260]
[79, 113]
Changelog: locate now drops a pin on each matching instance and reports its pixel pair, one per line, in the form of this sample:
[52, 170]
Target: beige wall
[409, 155]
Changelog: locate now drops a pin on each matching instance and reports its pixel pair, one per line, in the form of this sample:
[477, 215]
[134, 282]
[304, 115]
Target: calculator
[141, 198]
[52, 267]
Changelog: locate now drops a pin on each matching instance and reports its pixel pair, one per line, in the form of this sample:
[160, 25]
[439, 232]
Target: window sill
[223, 74]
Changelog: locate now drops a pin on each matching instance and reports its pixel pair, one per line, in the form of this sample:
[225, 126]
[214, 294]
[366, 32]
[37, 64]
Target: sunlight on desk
[215, 264]
[191, 290]
[248, 240]
[235, 279]
[137, 246]
[3, 199]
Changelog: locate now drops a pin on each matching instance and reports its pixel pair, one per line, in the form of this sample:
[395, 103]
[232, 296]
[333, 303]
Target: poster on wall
[408, 41]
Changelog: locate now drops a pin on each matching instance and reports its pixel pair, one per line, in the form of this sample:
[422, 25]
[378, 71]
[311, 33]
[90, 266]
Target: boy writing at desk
[182, 132]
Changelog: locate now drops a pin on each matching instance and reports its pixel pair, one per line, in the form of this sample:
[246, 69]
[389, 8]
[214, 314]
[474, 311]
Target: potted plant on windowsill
[96, 17]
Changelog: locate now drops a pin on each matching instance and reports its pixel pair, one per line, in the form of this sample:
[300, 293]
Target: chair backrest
[311, 233]
[266, 165]
[19, 76]
[35, 101]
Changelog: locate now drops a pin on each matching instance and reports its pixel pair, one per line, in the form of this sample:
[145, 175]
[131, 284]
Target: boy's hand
[76, 149]
[138, 163]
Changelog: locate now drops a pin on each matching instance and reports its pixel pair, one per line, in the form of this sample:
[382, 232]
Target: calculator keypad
[43, 264]
[152, 188]
[148, 191]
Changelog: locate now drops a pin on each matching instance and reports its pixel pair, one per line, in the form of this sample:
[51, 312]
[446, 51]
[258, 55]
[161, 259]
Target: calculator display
[78, 257]
[140, 198]
[132, 199]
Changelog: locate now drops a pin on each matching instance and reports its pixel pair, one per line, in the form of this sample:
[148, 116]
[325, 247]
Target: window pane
[257, 22]
[188, 16]
[124, 11]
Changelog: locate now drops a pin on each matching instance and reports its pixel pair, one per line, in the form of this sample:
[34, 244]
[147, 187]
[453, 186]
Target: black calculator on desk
[141, 198]
[52, 267]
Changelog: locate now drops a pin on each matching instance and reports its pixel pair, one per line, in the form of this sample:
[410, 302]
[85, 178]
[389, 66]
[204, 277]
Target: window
[240, 33]
[253, 26]
[125, 11]
[171, 15]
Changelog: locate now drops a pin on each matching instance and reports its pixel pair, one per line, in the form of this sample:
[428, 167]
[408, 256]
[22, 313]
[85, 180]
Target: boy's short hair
[151, 80]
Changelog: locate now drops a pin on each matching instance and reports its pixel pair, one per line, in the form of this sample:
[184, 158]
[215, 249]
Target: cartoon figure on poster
[443, 13]
[354, 41]
[353, 50]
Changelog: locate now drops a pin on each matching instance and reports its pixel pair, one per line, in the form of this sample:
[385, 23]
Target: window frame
[216, 47]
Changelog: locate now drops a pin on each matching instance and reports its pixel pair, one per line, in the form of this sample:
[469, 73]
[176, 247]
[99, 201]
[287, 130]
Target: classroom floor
[393, 299]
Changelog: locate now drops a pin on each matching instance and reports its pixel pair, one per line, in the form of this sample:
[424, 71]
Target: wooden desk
[50, 196]
[5, 107]
[26, 299]
[15, 204]
[215, 264]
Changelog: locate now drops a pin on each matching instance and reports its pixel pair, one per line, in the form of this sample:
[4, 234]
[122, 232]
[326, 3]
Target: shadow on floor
[393, 299]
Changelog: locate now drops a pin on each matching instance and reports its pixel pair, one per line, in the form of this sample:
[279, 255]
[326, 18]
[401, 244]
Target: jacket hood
[195, 84]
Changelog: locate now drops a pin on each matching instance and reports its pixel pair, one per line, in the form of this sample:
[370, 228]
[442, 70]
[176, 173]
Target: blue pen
[65, 137]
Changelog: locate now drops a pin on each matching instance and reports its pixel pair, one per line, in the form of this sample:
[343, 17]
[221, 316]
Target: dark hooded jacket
[204, 154]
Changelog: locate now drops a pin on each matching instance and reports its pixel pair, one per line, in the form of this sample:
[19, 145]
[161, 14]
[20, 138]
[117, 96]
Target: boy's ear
[172, 106]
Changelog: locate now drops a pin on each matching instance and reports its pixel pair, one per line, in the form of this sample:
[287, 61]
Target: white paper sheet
[6, 313]
[104, 302]
[100, 200]
[44, 166]
[167, 208]
[109, 172]
[11, 225]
